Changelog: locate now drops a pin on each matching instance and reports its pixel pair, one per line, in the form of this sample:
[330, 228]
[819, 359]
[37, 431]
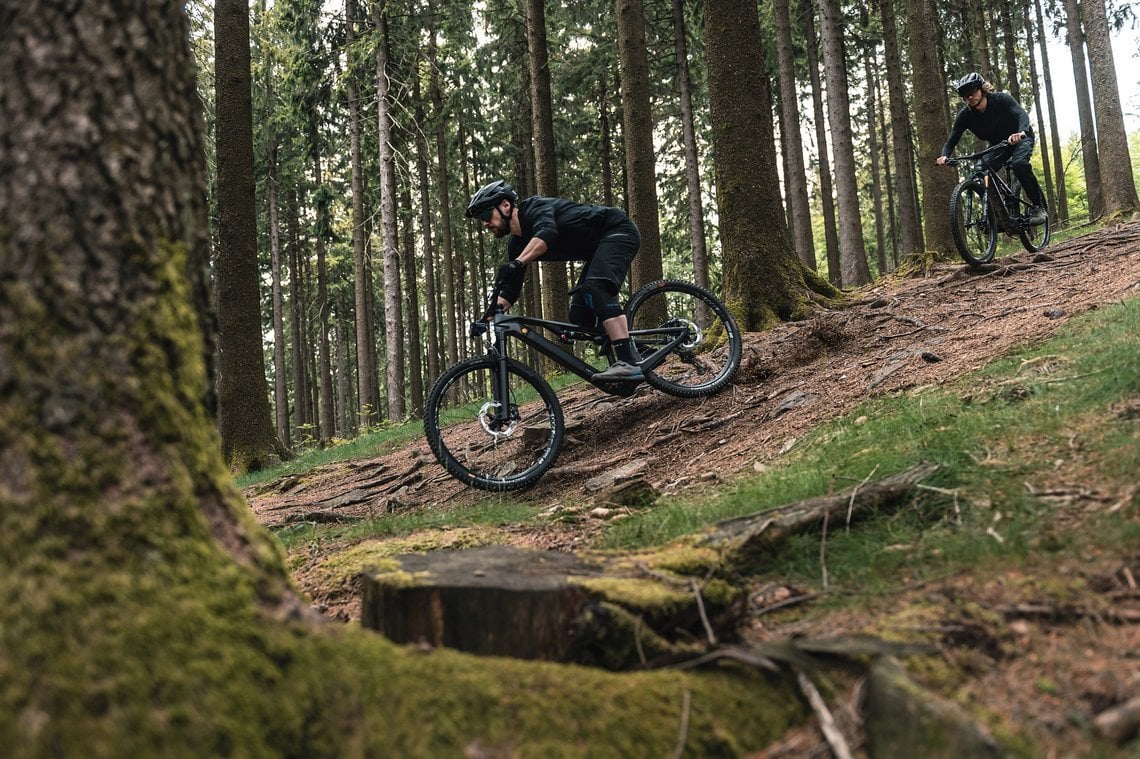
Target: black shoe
[1037, 216]
[620, 371]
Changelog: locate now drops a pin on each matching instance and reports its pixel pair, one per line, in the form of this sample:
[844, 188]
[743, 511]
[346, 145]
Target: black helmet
[489, 196]
[969, 83]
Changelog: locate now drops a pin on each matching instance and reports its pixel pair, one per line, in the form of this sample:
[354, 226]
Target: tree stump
[505, 601]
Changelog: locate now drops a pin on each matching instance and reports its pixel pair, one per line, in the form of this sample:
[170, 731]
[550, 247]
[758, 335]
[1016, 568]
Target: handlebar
[955, 160]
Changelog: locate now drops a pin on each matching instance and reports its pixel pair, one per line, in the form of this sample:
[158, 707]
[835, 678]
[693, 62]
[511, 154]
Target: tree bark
[902, 142]
[852, 250]
[368, 390]
[932, 119]
[393, 301]
[826, 186]
[1089, 150]
[764, 281]
[692, 165]
[640, 157]
[1111, 138]
[145, 612]
[554, 281]
[1062, 207]
[244, 418]
[796, 184]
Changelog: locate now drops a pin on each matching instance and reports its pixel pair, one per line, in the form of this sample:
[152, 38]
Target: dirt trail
[903, 333]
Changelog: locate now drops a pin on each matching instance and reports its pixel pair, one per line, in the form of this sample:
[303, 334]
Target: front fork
[501, 392]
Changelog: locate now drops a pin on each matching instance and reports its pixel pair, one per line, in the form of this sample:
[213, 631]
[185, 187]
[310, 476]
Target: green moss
[635, 593]
[337, 567]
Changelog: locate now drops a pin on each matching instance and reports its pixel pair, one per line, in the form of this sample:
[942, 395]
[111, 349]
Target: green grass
[993, 434]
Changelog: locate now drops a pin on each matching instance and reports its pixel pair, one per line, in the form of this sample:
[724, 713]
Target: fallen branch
[827, 726]
[757, 534]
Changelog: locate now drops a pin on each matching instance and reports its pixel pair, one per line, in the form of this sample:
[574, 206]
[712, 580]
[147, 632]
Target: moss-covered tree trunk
[144, 612]
[764, 282]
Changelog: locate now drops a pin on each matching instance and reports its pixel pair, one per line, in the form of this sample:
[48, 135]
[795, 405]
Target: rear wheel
[709, 352]
[972, 224]
[480, 446]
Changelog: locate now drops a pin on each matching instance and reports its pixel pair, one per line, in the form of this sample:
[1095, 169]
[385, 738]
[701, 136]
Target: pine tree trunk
[443, 178]
[244, 418]
[368, 390]
[764, 282]
[852, 251]
[877, 178]
[1039, 110]
[796, 184]
[412, 308]
[692, 164]
[554, 280]
[432, 350]
[303, 417]
[393, 319]
[1062, 207]
[280, 378]
[902, 143]
[931, 123]
[826, 186]
[1111, 138]
[1013, 81]
[640, 157]
[1089, 149]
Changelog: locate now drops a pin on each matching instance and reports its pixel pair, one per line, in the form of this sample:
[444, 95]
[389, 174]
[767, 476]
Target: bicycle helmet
[489, 196]
[969, 83]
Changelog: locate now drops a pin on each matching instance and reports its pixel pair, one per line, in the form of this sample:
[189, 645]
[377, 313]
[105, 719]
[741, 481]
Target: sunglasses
[485, 215]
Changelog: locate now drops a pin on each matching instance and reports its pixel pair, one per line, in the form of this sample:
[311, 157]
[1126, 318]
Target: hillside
[1048, 672]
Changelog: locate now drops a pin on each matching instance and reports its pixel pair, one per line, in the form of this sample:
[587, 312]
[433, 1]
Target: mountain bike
[495, 423]
[989, 201]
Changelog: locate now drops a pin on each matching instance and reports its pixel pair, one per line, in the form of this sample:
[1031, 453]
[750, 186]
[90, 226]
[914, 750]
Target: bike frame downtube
[522, 328]
[525, 330]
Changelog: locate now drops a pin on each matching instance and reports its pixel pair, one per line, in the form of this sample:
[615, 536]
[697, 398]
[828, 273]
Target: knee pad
[601, 295]
[581, 315]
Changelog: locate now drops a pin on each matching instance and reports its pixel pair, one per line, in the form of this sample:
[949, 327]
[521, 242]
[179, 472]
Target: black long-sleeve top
[1003, 116]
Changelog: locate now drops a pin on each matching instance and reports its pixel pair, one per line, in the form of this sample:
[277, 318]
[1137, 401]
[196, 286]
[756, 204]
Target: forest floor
[1046, 672]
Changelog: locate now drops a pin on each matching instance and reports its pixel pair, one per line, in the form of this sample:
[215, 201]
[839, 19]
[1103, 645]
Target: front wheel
[483, 445]
[972, 224]
[709, 352]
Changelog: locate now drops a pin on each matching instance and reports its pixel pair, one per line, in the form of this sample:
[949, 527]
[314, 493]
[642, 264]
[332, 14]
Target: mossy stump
[547, 605]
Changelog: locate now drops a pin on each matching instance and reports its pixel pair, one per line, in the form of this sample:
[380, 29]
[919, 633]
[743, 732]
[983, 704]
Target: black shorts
[614, 254]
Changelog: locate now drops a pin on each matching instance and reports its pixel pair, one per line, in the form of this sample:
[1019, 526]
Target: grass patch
[483, 514]
[999, 435]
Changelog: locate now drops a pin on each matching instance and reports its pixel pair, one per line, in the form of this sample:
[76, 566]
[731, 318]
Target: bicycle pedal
[621, 388]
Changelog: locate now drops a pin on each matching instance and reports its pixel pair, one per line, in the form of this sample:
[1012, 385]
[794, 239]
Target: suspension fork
[501, 391]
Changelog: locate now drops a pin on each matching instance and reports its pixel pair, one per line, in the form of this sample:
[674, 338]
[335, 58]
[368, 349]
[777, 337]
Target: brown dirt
[1047, 670]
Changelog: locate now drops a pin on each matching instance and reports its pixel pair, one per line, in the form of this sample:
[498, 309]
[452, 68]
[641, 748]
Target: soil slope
[900, 334]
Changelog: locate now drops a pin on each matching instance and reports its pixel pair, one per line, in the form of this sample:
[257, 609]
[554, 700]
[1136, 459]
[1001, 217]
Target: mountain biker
[994, 117]
[556, 229]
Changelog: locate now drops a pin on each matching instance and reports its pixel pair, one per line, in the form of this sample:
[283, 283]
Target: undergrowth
[1000, 437]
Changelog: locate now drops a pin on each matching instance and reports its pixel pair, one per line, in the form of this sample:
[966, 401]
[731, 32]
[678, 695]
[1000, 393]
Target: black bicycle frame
[526, 329]
[997, 191]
